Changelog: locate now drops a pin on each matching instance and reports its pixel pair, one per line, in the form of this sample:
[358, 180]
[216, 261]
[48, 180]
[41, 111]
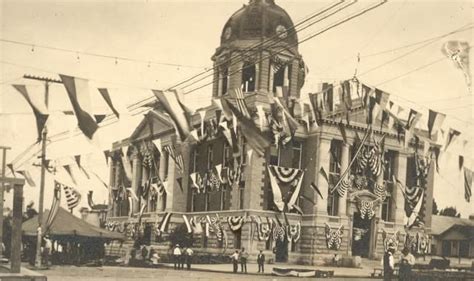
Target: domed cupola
[258, 53]
[258, 20]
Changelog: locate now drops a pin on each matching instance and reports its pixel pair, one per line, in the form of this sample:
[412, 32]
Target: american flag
[73, 197]
[239, 97]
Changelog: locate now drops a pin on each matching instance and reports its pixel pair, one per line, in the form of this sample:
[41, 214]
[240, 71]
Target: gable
[153, 124]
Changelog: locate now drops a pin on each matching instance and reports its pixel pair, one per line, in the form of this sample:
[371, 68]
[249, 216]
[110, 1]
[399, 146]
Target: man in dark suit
[261, 261]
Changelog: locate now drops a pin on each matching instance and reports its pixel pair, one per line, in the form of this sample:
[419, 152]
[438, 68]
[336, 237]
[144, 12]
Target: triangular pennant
[105, 95]
[39, 109]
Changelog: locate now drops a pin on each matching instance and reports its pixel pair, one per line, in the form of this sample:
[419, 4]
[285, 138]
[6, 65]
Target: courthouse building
[168, 178]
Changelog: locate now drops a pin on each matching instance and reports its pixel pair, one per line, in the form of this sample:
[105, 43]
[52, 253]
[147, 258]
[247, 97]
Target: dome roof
[259, 19]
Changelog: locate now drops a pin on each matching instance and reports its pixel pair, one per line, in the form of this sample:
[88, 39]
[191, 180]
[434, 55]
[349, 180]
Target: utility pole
[2, 190]
[43, 166]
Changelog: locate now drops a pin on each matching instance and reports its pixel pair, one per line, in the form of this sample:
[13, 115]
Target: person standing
[407, 261]
[388, 263]
[261, 262]
[243, 260]
[183, 257]
[177, 256]
[189, 257]
[235, 260]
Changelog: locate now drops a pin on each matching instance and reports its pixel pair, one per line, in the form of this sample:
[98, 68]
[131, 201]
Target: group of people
[182, 255]
[406, 263]
[242, 257]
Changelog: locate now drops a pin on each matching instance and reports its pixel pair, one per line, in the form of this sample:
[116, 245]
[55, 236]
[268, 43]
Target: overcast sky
[185, 34]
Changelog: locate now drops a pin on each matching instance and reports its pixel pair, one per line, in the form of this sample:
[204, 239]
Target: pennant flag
[178, 112]
[186, 222]
[105, 94]
[345, 98]
[324, 174]
[218, 171]
[458, 52]
[261, 116]
[342, 129]
[374, 110]
[226, 132]
[382, 99]
[315, 107]
[28, 177]
[258, 141]
[328, 97]
[78, 92]
[132, 193]
[165, 222]
[436, 151]
[467, 184]
[202, 114]
[296, 192]
[461, 162]
[73, 197]
[241, 105]
[39, 108]
[365, 95]
[54, 206]
[302, 196]
[452, 136]
[277, 197]
[180, 183]
[413, 118]
[316, 188]
[435, 120]
[127, 166]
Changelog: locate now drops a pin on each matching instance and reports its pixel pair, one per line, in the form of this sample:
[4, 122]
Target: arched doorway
[281, 250]
[361, 233]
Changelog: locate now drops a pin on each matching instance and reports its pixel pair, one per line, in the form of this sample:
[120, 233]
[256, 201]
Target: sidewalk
[252, 268]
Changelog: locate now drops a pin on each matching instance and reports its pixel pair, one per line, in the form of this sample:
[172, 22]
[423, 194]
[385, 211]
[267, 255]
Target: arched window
[224, 81]
[281, 75]
[249, 75]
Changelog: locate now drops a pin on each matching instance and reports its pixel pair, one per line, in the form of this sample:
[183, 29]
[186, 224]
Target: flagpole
[43, 167]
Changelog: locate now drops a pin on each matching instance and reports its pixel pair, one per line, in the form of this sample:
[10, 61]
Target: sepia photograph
[236, 140]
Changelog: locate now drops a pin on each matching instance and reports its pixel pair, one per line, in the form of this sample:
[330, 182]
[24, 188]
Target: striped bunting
[240, 99]
[54, 206]
[333, 237]
[467, 184]
[73, 197]
[187, 223]
[285, 175]
[379, 191]
[235, 222]
[177, 157]
[165, 222]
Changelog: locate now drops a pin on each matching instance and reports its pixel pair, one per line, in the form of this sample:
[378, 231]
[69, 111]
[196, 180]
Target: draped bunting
[264, 230]
[422, 243]
[366, 208]
[235, 222]
[345, 185]
[278, 232]
[293, 232]
[379, 191]
[73, 197]
[285, 175]
[162, 227]
[414, 217]
[333, 237]
[390, 240]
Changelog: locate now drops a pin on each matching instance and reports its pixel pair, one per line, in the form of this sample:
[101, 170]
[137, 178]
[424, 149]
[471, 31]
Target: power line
[404, 55]
[116, 58]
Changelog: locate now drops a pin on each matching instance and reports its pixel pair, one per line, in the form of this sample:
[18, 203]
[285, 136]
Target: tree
[435, 209]
[449, 212]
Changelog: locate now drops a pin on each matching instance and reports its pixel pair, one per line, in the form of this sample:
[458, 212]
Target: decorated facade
[301, 176]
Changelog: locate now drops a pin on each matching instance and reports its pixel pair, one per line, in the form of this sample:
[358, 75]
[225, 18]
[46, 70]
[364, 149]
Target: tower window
[224, 81]
[281, 76]
[248, 77]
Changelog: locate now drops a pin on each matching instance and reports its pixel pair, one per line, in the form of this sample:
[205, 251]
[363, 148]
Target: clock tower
[258, 53]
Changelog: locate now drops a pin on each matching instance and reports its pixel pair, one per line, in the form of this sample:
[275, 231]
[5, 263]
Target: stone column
[136, 177]
[398, 208]
[171, 183]
[253, 191]
[322, 156]
[380, 182]
[344, 164]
